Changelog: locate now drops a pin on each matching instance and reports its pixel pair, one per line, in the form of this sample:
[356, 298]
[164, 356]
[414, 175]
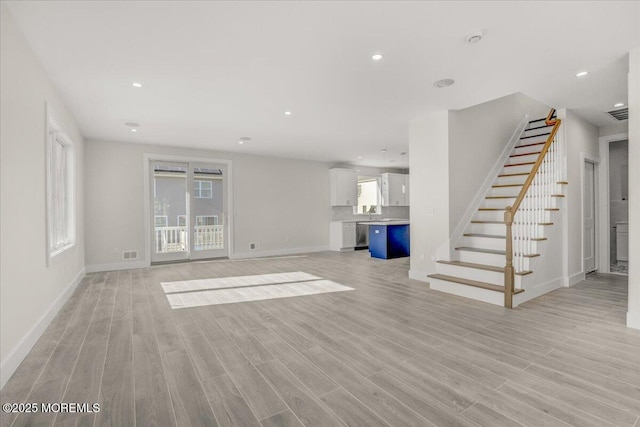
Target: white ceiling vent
[621, 114]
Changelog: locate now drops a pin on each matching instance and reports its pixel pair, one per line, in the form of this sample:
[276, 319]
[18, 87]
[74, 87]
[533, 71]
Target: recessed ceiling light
[287, 113]
[619, 104]
[474, 36]
[444, 83]
[136, 84]
[134, 130]
[582, 73]
[359, 157]
[384, 150]
[376, 56]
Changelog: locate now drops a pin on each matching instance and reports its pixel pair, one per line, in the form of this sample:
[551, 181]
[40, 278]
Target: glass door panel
[208, 211]
[170, 236]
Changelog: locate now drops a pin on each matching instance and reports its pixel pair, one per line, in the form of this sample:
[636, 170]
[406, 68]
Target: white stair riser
[531, 132]
[518, 179]
[493, 277]
[523, 159]
[506, 191]
[491, 297]
[487, 229]
[540, 217]
[527, 149]
[498, 203]
[481, 258]
[503, 203]
[538, 138]
[516, 169]
[529, 248]
[484, 242]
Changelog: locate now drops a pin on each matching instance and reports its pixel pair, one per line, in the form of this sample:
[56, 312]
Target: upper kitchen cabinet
[344, 187]
[395, 189]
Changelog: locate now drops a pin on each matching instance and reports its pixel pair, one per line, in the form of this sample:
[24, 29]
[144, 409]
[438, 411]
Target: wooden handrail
[510, 211]
[534, 170]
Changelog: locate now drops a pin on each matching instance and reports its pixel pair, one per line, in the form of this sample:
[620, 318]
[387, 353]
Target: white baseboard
[633, 319]
[125, 265]
[535, 291]
[20, 351]
[420, 275]
[278, 252]
[576, 278]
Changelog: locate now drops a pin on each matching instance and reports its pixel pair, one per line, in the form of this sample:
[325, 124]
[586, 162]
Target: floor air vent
[621, 114]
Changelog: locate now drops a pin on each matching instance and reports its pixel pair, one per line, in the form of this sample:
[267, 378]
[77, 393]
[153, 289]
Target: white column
[633, 315]
[429, 173]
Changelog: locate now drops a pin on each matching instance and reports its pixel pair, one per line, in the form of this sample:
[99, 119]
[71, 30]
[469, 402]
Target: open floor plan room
[390, 352]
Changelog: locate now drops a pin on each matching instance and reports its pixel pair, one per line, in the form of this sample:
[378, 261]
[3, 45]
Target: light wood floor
[391, 352]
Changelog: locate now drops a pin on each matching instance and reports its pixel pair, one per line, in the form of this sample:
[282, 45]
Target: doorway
[619, 206]
[188, 211]
[589, 215]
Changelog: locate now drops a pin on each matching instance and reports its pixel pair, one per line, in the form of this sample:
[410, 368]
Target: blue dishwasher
[389, 241]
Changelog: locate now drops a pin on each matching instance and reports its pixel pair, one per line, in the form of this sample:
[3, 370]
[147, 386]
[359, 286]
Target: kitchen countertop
[395, 222]
[369, 221]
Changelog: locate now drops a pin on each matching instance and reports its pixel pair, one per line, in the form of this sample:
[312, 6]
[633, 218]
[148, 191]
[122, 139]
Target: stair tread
[482, 267]
[486, 222]
[474, 283]
[525, 154]
[513, 174]
[519, 164]
[506, 185]
[501, 197]
[538, 127]
[535, 136]
[530, 145]
[481, 250]
[489, 236]
[538, 120]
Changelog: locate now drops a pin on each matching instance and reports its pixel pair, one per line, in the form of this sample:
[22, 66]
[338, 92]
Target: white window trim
[56, 133]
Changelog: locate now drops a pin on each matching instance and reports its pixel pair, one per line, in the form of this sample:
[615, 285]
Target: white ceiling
[217, 71]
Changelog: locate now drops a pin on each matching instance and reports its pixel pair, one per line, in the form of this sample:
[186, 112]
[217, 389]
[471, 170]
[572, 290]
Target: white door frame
[605, 220]
[147, 158]
[595, 160]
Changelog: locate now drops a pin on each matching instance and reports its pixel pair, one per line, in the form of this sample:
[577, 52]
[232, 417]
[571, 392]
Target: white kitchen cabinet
[342, 236]
[395, 189]
[344, 187]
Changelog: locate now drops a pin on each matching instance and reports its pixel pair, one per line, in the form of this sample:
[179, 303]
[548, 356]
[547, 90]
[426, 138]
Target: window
[368, 196]
[61, 218]
[206, 220]
[162, 221]
[202, 189]
[182, 220]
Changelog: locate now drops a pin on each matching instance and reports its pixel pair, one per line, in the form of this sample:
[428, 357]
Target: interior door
[170, 213]
[209, 231]
[589, 210]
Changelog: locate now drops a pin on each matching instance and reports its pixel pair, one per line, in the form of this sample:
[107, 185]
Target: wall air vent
[621, 114]
[130, 255]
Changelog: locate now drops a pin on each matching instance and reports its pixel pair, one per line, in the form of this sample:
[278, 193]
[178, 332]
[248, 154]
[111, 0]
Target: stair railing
[524, 219]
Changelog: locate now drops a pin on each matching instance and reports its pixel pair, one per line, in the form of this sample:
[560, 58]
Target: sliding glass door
[189, 211]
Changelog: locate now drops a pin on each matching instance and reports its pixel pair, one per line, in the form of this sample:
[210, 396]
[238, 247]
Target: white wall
[581, 139]
[429, 164]
[633, 315]
[477, 136]
[280, 204]
[30, 292]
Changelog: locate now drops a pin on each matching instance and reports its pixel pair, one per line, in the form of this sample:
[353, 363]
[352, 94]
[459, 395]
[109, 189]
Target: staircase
[500, 254]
